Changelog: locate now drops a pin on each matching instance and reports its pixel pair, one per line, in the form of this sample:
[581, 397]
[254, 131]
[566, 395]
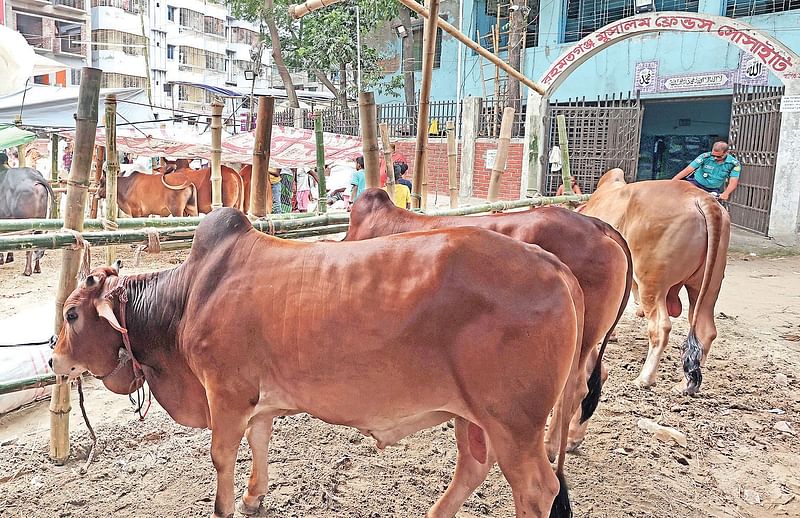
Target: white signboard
[790, 103]
[489, 158]
[696, 82]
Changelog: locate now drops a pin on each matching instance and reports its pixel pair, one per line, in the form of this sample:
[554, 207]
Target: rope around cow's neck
[90, 457]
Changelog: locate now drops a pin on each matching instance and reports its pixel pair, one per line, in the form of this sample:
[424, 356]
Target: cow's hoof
[640, 312]
[643, 383]
[26, 273]
[573, 445]
[680, 388]
[9, 258]
[249, 510]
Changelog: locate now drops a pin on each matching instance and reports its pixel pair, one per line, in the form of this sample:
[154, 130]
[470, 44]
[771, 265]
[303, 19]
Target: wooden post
[369, 137]
[298, 11]
[387, 159]
[23, 162]
[113, 169]
[419, 199]
[259, 180]
[77, 185]
[322, 204]
[502, 153]
[216, 154]
[54, 172]
[452, 164]
[99, 157]
[566, 177]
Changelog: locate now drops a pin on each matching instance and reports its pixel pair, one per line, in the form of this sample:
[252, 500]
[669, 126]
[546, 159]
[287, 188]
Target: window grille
[585, 17]
[741, 8]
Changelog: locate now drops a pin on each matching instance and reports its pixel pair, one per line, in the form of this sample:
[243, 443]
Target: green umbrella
[12, 136]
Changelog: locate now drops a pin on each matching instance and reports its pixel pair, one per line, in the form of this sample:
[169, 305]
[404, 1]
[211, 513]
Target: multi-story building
[57, 29]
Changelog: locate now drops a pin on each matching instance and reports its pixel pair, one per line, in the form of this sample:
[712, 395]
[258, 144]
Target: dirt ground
[742, 458]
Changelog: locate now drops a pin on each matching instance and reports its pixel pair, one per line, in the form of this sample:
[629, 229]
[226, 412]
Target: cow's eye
[72, 316]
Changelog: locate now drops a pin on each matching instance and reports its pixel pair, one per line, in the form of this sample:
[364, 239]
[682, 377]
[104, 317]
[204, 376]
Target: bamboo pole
[387, 160]
[113, 169]
[298, 11]
[77, 184]
[19, 385]
[566, 177]
[216, 154]
[452, 164]
[502, 153]
[368, 119]
[420, 196]
[23, 160]
[259, 181]
[54, 172]
[99, 157]
[322, 203]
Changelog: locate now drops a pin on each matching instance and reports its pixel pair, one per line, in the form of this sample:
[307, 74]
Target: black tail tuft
[692, 355]
[561, 506]
[592, 399]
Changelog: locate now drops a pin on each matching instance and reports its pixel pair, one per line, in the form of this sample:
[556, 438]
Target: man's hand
[724, 196]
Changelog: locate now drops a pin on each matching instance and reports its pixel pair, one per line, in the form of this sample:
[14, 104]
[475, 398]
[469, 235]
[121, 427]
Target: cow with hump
[476, 333]
[595, 252]
[678, 236]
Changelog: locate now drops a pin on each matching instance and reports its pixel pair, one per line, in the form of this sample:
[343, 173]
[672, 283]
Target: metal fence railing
[492, 115]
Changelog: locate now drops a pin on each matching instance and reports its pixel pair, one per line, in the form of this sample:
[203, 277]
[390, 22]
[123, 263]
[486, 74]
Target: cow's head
[91, 338]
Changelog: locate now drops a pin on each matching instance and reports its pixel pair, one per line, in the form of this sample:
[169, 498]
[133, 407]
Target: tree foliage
[326, 40]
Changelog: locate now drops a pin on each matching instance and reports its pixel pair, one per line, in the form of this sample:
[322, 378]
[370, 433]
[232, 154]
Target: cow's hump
[220, 227]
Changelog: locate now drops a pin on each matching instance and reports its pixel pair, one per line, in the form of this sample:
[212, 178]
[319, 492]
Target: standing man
[712, 170]
[275, 186]
[303, 183]
[358, 181]
[3, 162]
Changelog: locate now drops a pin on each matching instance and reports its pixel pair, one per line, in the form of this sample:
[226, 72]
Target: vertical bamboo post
[369, 137]
[216, 154]
[419, 199]
[452, 164]
[113, 170]
[259, 180]
[322, 204]
[54, 172]
[566, 177]
[499, 167]
[99, 157]
[77, 186]
[21, 149]
[387, 159]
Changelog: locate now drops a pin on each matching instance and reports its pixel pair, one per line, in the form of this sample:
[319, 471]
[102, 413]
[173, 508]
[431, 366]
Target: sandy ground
[741, 460]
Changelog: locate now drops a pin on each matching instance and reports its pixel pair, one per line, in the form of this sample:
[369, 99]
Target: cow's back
[23, 193]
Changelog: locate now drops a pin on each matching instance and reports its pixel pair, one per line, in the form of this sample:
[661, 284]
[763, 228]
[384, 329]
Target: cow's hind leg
[577, 429]
[658, 327]
[227, 429]
[28, 257]
[258, 436]
[10, 257]
[524, 463]
[475, 459]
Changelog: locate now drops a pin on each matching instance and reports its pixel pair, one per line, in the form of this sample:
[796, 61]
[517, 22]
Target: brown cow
[678, 236]
[592, 249]
[141, 195]
[216, 340]
[232, 188]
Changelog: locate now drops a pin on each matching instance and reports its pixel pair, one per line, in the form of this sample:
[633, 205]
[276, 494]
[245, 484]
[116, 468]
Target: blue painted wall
[612, 70]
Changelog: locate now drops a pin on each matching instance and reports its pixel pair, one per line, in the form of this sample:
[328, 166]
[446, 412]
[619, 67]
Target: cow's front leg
[28, 257]
[259, 433]
[227, 429]
[10, 257]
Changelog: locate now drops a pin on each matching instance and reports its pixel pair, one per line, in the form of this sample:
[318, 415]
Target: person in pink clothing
[303, 184]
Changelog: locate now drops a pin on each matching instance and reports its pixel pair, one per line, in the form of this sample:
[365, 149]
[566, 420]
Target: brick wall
[437, 167]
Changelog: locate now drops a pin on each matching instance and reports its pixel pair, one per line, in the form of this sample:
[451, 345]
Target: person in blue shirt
[710, 171]
[358, 181]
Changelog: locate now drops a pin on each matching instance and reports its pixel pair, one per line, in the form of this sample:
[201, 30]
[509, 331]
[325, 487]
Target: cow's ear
[105, 310]
[117, 266]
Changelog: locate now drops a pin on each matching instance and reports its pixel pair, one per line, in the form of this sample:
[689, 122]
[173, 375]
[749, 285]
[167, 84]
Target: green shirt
[712, 174]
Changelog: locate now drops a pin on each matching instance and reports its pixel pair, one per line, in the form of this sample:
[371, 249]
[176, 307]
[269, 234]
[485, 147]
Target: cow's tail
[561, 506]
[692, 348]
[176, 187]
[50, 193]
[192, 201]
[592, 399]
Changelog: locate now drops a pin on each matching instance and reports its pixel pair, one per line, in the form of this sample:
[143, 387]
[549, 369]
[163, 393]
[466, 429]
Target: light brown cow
[595, 252]
[217, 341]
[678, 236]
[232, 187]
[141, 195]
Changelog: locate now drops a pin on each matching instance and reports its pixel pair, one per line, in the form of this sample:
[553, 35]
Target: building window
[170, 13]
[242, 35]
[191, 19]
[107, 39]
[114, 80]
[69, 34]
[31, 29]
[583, 18]
[129, 6]
[213, 26]
[740, 8]
[170, 51]
[417, 56]
[493, 16]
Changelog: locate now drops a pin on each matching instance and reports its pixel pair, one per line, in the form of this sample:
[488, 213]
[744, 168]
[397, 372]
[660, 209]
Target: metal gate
[755, 126]
[602, 134]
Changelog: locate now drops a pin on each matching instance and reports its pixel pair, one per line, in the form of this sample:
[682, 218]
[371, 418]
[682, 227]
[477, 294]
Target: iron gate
[602, 134]
[755, 125]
